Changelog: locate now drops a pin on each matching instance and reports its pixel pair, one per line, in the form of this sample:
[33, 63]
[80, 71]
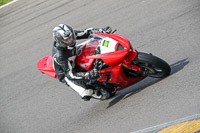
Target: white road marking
[8, 4]
[157, 128]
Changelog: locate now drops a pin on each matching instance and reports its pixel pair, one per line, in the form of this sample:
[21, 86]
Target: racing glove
[107, 30]
[91, 74]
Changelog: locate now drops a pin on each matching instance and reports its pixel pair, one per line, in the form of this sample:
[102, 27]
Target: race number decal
[105, 43]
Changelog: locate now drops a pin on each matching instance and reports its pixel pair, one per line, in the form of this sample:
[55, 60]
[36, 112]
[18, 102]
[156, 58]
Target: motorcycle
[119, 65]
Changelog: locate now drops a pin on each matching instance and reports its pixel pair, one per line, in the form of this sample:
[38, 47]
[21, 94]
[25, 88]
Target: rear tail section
[45, 66]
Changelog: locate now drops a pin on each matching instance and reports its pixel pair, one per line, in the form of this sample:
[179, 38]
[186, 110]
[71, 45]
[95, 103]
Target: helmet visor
[68, 41]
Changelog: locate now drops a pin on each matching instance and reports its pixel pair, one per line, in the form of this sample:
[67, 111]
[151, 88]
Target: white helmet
[64, 36]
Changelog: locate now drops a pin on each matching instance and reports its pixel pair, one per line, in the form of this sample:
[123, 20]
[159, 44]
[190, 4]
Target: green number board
[105, 43]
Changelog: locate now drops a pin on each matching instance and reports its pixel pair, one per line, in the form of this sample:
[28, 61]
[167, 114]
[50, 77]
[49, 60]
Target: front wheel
[151, 65]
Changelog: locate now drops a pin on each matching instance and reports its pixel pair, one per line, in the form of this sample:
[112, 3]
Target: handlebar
[114, 31]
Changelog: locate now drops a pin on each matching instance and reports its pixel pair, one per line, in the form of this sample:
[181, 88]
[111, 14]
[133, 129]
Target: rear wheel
[151, 65]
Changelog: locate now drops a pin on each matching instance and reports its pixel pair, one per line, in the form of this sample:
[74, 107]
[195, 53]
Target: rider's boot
[85, 94]
[89, 93]
[96, 94]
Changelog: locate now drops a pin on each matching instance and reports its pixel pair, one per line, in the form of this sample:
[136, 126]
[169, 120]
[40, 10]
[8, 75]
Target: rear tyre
[152, 66]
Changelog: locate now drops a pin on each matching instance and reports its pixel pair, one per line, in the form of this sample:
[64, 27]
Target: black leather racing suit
[64, 61]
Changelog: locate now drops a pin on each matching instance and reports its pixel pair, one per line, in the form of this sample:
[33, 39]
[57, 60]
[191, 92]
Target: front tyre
[152, 66]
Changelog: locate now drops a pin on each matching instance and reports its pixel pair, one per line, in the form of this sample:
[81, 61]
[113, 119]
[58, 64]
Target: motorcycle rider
[64, 55]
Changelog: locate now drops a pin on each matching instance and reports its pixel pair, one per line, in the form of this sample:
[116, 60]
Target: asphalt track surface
[31, 102]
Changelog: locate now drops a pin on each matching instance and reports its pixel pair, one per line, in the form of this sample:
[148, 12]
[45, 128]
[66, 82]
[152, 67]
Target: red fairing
[83, 61]
[112, 58]
[116, 57]
[118, 77]
[45, 66]
[116, 52]
[122, 40]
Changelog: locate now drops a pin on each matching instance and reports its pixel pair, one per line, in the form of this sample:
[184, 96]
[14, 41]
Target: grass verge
[2, 2]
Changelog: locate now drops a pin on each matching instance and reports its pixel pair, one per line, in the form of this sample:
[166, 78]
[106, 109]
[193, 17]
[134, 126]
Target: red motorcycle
[118, 64]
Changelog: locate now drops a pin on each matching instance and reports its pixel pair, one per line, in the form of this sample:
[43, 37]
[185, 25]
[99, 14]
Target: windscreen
[93, 44]
[98, 44]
